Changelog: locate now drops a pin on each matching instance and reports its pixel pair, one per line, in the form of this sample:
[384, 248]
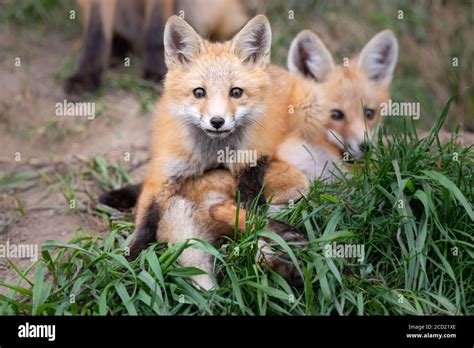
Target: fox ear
[181, 42]
[253, 43]
[309, 56]
[379, 57]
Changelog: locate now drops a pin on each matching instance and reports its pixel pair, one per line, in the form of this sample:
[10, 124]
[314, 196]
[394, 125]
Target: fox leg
[226, 212]
[250, 183]
[180, 222]
[153, 199]
[97, 36]
[156, 14]
[284, 183]
[146, 222]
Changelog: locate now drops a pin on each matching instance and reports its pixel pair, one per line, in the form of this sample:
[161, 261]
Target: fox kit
[116, 26]
[217, 96]
[348, 99]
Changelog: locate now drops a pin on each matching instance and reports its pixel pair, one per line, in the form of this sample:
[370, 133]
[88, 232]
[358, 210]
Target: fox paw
[280, 261]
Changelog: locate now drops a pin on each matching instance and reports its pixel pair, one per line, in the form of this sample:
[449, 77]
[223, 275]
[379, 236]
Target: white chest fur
[312, 159]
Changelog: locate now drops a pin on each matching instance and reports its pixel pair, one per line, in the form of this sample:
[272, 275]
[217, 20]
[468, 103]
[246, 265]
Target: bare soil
[34, 138]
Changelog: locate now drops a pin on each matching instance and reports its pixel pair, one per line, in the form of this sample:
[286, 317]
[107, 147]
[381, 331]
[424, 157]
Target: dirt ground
[33, 138]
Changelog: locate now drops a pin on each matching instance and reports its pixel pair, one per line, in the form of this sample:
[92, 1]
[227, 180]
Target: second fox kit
[217, 96]
[330, 124]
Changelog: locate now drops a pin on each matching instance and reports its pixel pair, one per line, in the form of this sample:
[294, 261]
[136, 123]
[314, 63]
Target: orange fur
[347, 89]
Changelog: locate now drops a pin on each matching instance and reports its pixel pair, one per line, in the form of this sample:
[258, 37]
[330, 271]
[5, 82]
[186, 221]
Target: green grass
[28, 12]
[409, 205]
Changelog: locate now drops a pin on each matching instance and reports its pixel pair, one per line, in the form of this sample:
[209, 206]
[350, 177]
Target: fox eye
[337, 115]
[369, 113]
[236, 92]
[199, 93]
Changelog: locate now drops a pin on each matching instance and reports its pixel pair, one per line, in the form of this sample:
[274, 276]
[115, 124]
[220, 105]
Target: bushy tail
[123, 198]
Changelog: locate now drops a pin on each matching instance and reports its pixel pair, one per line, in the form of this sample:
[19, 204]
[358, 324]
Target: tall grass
[409, 204]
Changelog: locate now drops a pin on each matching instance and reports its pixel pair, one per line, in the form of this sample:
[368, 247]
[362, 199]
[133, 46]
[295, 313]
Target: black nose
[363, 146]
[217, 122]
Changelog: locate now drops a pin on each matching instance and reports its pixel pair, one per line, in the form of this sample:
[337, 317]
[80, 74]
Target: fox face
[217, 87]
[348, 97]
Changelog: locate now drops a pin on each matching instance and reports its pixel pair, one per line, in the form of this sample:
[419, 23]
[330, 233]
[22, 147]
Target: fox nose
[217, 122]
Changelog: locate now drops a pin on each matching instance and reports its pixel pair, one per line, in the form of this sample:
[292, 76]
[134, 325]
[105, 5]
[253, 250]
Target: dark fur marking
[122, 198]
[88, 76]
[250, 183]
[120, 48]
[304, 57]
[154, 64]
[146, 231]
